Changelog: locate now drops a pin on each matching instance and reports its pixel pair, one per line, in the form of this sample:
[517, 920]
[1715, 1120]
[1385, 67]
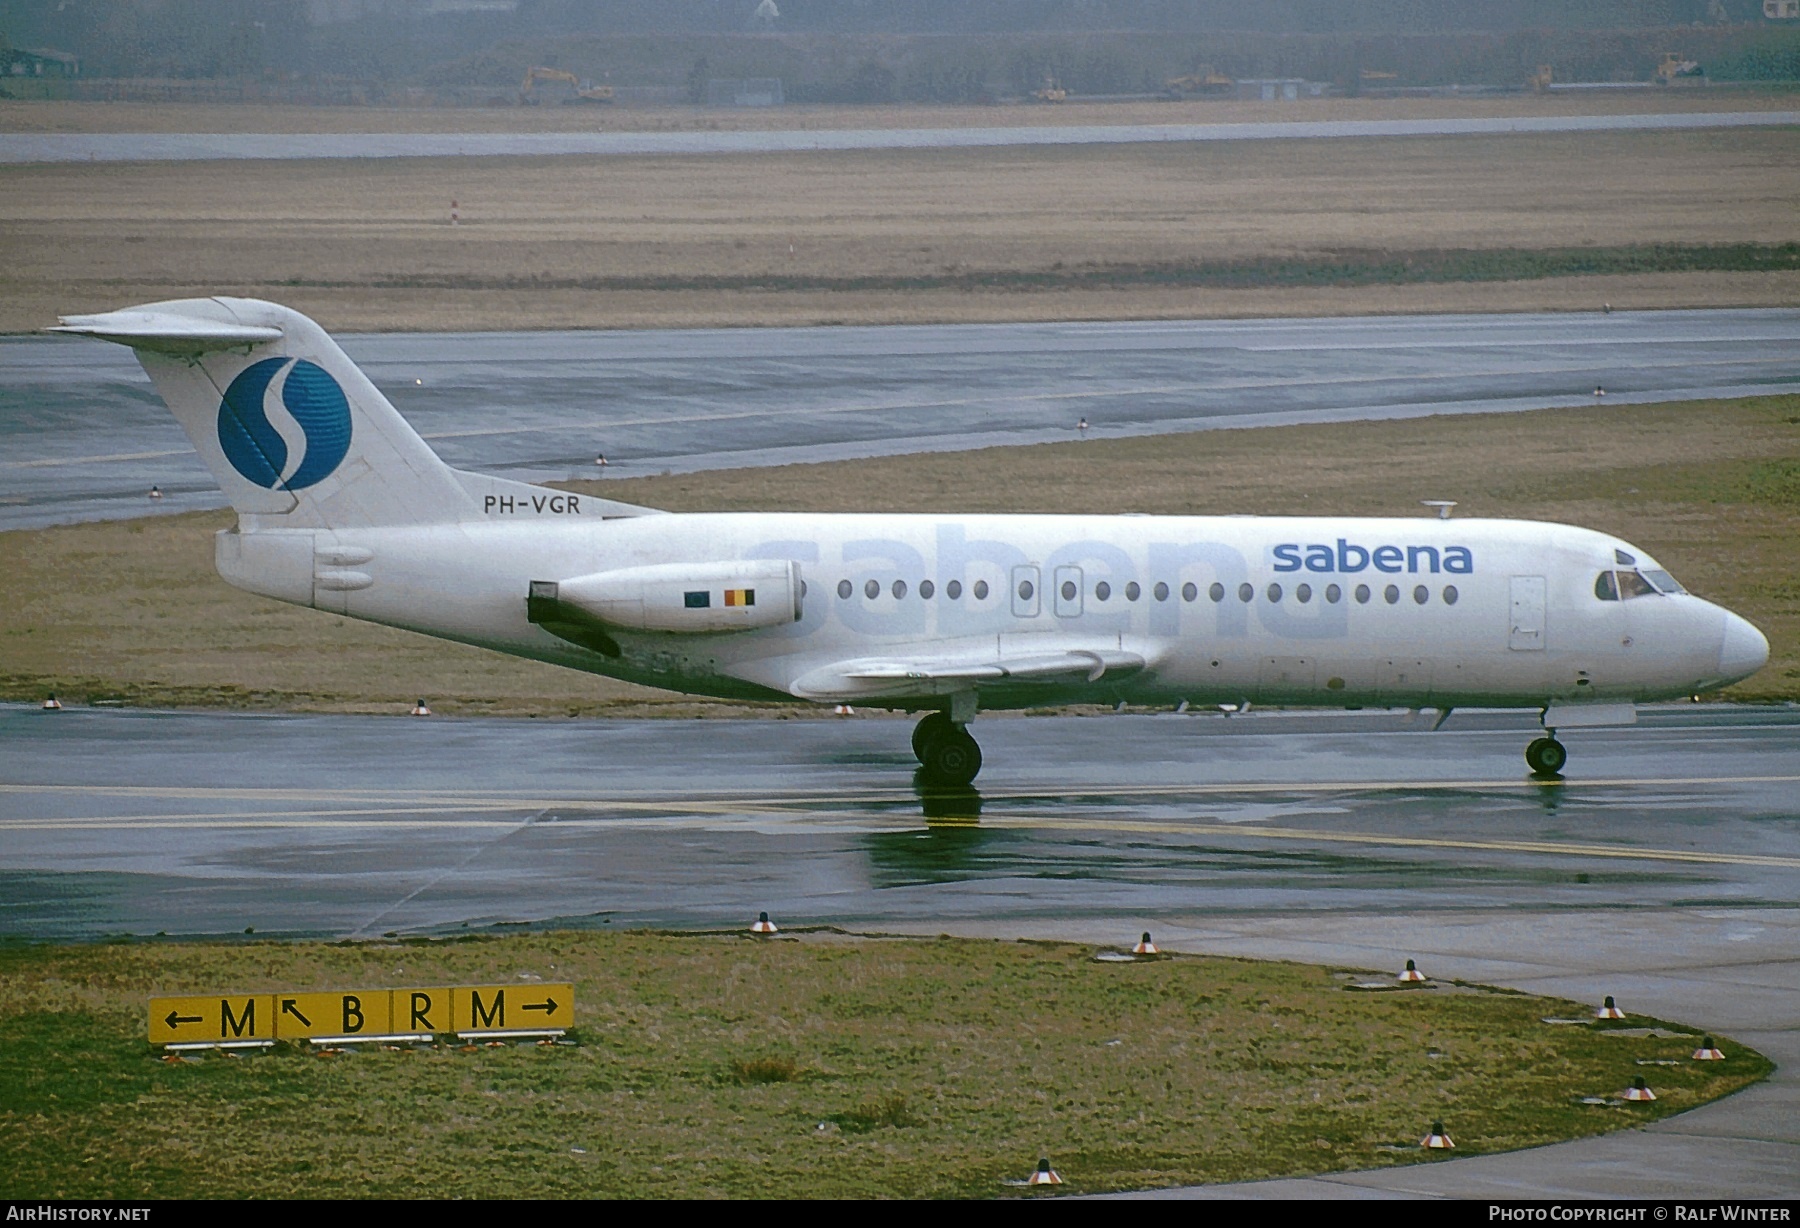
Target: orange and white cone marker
[1045, 1175]
[1609, 1010]
[1410, 974]
[1638, 1090]
[1145, 946]
[1708, 1052]
[1438, 1139]
[844, 710]
[155, 492]
[763, 925]
[52, 704]
[419, 709]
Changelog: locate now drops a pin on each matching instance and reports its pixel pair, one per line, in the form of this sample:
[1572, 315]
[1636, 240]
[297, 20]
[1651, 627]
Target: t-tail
[296, 435]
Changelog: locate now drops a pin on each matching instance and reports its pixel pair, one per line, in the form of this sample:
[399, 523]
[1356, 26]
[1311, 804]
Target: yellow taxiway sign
[212, 1019]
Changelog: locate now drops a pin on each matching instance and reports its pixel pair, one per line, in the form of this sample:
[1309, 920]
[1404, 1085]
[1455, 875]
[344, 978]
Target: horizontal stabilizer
[167, 331]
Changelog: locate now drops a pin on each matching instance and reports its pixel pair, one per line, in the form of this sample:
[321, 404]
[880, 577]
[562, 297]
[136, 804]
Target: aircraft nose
[1743, 650]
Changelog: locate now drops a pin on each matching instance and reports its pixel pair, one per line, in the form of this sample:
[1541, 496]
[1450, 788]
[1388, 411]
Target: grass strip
[825, 1066]
[1350, 267]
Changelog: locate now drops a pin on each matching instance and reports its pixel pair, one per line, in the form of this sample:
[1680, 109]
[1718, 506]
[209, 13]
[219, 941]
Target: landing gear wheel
[934, 725]
[1545, 757]
[952, 759]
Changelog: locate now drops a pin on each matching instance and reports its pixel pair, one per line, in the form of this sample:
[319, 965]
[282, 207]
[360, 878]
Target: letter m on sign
[492, 1015]
[233, 1024]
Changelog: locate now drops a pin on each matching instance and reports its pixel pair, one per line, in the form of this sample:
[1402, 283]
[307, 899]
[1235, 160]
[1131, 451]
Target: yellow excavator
[585, 91]
[1201, 82]
[1676, 71]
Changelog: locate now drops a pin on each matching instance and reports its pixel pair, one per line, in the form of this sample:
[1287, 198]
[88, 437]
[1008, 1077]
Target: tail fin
[291, 429]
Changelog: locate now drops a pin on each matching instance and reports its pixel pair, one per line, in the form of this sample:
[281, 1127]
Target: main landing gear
[1546, 756]
[947, 754]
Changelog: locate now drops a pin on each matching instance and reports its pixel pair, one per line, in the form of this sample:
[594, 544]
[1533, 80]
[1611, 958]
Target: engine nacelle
[697, 598]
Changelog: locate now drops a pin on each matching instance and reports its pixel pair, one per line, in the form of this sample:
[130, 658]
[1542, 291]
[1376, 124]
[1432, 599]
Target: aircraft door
[1025, 591]
[1066, 597]
[1527, 621]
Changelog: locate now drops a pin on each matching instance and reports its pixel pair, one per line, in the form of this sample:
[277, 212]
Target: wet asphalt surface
[116, 821]
[83, 435]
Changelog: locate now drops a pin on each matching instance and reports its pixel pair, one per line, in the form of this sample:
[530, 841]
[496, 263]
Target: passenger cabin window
[980, 590]
[1102, 591]
[953, 589]
[926, 589]
[844, 589]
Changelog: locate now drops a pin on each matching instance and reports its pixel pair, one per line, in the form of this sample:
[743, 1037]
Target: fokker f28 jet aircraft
[341, 506]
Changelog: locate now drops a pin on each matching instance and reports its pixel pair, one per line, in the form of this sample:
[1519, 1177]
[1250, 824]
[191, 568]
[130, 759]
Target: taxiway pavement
[83, 435]
[213, 146]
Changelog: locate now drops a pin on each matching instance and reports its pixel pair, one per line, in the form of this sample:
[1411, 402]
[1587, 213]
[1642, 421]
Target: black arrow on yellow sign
[288, 1008]
[547, 1005]
[175, 1021]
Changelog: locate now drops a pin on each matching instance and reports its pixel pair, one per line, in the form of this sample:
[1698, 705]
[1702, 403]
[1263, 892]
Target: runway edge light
[1045, 1175]
[1708, 1052]
[1410, 973]
[1609, 1010]
[1145, 946]
[1438, 1139]
[420, 709]
[1639, 1090]
[762, 925]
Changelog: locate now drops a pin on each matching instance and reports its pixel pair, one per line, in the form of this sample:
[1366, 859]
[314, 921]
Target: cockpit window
[1623, 559]
[1605, 587]
[1633, 585]
[1664, 582]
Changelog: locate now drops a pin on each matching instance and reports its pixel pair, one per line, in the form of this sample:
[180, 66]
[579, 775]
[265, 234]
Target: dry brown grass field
[55, 116]
[133, 610]
[995, 234]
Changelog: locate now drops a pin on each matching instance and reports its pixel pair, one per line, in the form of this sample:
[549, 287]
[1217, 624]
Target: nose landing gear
[947, 754]
[1545, 757]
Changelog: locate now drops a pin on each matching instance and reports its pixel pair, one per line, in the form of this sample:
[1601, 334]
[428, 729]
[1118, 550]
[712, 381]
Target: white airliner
[341, 506]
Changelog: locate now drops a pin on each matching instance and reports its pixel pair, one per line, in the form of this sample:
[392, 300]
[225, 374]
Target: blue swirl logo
[317, 428]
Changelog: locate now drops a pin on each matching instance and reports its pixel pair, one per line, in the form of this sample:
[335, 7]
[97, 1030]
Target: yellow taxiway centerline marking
[486, 799]
[316, 820]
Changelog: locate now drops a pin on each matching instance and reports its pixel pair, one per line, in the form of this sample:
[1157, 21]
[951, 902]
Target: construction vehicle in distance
[585, 91]
[1676, 71]
[1539, 81]
[1202, 82]
[1052, 91]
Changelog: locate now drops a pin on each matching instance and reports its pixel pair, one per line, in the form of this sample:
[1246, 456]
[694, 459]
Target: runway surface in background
[139, 822]
[212, 146]
[83, 435]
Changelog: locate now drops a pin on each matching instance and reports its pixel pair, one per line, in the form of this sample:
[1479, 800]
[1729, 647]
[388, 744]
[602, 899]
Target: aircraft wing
[930, 675]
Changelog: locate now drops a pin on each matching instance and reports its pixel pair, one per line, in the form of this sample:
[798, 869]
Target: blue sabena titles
[1349, 558]
[311, 398]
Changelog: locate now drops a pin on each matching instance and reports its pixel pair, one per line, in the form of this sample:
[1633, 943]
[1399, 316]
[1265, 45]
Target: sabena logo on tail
[284, 423]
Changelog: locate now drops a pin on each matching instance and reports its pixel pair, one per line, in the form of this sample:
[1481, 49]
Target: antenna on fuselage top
[1443, 506]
